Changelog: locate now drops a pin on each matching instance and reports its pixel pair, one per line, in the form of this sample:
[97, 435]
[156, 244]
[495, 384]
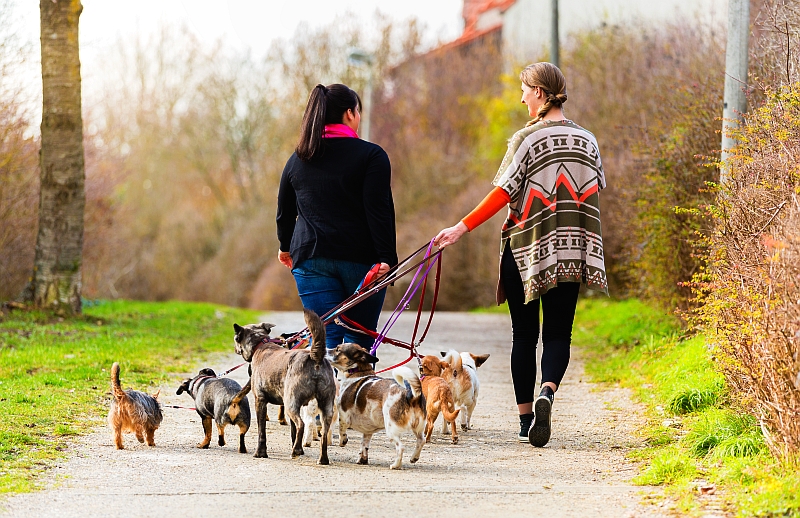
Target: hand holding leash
[451, 235]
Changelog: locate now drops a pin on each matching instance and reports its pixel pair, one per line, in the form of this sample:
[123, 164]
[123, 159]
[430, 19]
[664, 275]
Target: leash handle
[368, 279]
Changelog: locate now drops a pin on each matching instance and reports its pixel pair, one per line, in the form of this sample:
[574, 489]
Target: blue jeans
[325, 283]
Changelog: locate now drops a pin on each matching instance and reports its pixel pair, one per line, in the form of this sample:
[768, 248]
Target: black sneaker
[539, 433]
[525, 421]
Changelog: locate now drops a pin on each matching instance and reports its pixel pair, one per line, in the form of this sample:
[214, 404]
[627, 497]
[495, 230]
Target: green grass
[54, 373]
[693, 432]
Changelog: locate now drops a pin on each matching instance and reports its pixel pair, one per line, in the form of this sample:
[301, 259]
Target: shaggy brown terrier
[132, 412]
[438, 395]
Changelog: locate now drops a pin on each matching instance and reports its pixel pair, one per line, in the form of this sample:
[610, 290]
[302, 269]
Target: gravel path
[582, 472]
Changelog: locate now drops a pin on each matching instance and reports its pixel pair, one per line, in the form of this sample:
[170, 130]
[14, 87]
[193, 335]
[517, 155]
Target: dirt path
[582, 472]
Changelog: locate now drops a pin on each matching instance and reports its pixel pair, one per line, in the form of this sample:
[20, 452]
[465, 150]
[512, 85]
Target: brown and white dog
[287, 377]
[464, 383]
[368, 403]
[438, 395]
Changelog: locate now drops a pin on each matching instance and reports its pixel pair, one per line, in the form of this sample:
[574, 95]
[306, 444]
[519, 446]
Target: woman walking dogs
[550, 243]
[335, 211]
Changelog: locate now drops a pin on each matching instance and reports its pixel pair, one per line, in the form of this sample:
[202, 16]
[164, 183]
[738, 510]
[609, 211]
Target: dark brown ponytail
[326, 105]
[549, 78]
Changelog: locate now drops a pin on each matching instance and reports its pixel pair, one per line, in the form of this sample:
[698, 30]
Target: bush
[752, 296]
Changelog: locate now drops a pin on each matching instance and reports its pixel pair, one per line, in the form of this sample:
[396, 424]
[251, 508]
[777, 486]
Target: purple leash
[409, 294]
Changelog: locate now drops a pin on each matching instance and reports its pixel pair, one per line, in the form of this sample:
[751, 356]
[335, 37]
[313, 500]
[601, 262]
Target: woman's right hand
[285, 258]
[451, 235]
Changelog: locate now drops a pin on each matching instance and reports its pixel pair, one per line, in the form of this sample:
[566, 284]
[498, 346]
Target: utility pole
[555, 57]
[361, 57]
[735, 98]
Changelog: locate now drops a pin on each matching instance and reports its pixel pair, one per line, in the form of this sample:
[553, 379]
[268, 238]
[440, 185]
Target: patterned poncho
[552, 172]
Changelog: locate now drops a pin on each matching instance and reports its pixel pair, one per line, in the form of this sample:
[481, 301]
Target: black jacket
[338, 205]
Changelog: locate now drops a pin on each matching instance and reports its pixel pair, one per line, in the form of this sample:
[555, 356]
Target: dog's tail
[233, 408]
[317, 329]
[116, 388]
[449, 410]
[404, 375]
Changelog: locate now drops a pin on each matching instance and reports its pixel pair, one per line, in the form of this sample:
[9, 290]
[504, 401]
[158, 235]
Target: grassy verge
[695, 439]
[54, 373]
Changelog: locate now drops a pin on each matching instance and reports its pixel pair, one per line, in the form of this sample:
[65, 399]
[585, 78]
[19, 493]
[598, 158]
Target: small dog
[438, 395]
[212, 396]
[368, 403]
[464, 383]
[286, 377]
[132, 411]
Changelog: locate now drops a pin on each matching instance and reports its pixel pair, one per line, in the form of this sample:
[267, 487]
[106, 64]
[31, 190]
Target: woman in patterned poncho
[550, 243]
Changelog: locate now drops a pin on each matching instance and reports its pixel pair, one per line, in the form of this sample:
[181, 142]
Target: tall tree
[56, 278]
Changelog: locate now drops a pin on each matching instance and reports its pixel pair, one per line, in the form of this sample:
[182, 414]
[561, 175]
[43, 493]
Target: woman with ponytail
[335, 211]
[551, 242]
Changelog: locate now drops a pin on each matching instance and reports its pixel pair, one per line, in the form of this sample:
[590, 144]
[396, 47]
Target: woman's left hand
[285, 259]
[451, 235]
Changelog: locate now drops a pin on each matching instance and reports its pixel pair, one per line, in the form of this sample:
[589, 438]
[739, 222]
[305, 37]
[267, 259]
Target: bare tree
[56, 278]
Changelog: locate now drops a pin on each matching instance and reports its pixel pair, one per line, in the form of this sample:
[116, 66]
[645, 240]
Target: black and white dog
[212, 396]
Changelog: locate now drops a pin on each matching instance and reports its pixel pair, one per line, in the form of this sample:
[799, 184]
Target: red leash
[412, 347]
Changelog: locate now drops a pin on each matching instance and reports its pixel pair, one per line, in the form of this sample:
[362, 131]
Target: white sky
[243, 24]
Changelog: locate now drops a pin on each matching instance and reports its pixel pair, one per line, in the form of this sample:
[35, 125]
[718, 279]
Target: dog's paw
[242, 450]
[455, 440]
[343, 442]
[203, 446]
[363, 461]
[324, 461]
[414, 460]
[297, 453]
[221, 441]
[396, 466]
[464, 427]
[261, 454]
[282, 422]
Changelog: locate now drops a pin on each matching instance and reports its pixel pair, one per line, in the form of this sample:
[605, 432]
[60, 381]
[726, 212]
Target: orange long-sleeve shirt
[491, 204]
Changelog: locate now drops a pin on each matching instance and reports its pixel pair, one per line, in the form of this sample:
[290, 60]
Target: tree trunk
[56, 278]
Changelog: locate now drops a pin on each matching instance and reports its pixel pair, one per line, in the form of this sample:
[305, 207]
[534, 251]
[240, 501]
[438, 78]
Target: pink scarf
[339, 131]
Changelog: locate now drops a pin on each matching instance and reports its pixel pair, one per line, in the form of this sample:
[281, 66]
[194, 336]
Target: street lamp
[363, 58]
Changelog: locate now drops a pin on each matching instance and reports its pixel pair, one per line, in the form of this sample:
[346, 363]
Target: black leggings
[558, 313]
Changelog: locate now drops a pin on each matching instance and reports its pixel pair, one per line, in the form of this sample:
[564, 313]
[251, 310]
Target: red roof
[473, 9]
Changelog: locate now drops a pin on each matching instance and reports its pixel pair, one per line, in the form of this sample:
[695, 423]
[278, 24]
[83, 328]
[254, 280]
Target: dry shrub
[19, 163]
[19, 187]
[429, 122]
[651, 96]
[752, 304]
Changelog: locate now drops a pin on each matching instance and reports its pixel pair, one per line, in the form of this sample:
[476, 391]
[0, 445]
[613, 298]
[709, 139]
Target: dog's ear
[184, 386]
[207, 372]
[368, 358]
[155, 396]
[443, 353]
[266, 327]
[237, 328]
[479, 359]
